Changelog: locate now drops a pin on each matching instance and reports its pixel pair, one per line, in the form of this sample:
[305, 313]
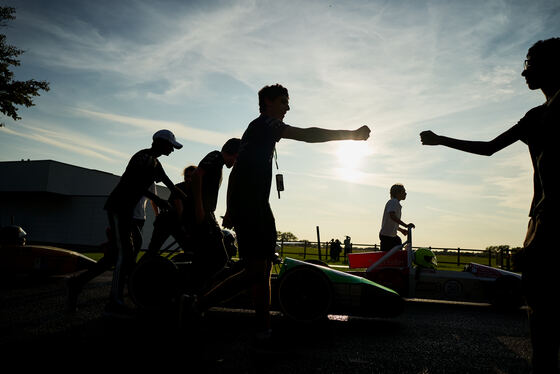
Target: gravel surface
[429, 337]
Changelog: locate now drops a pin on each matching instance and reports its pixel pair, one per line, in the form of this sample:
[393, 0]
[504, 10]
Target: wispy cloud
[150, 126]
[395, 66]
[74, 142]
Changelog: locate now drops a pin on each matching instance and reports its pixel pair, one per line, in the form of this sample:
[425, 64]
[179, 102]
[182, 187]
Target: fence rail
[450, 256]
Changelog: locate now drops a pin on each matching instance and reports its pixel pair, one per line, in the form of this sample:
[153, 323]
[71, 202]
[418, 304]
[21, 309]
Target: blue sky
[121, 70]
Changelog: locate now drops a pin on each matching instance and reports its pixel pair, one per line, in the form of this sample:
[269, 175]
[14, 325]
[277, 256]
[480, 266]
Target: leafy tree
[497, 248]
[12, 92]
[286, 236]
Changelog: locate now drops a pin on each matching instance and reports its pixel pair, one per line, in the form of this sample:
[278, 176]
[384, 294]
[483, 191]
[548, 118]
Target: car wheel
[305, 294]
[153, 284]
[507, 293]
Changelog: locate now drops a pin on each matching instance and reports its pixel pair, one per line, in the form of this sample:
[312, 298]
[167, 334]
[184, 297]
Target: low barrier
[458, 257]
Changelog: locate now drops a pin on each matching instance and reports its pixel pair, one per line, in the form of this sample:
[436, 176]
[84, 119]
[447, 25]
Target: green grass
[445, 261]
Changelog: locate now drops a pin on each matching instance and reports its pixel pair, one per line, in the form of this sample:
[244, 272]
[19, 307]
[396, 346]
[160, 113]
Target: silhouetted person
[540, 256]
[248, 209]
[391, 222]
[210, 253]
[142, 171]
[139, 219]
[175, 221]
[336, 248]
[347, 248]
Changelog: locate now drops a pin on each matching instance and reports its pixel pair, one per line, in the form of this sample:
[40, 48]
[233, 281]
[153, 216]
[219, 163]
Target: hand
[429, 138]
[362, 133]
[227, 222]
[411, 226]
[163, 204]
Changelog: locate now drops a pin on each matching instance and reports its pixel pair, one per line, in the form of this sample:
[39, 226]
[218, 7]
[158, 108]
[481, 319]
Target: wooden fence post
[318, 243]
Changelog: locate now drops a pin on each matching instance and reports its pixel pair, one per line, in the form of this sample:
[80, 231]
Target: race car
[17, 258]
[305, 291]
[302, 291]
[414, 274]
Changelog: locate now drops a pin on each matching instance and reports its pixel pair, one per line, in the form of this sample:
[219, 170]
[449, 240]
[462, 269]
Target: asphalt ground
[429, 337]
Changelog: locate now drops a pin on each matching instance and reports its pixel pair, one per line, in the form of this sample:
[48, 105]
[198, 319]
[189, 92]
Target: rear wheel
[305, 294]
[153, 283]
[507, 293]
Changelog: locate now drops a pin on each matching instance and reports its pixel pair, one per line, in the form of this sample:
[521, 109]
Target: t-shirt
[251, 176]
[142, 170]
[212, 165]
[538, 129]
[388, 225]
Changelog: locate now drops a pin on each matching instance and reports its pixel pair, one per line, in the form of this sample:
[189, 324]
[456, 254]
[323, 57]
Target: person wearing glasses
[540, 257]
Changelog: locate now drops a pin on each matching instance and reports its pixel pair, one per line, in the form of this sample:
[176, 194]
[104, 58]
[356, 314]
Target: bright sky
[121, 70]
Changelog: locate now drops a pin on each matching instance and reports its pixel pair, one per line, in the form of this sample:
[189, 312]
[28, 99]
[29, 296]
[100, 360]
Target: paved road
[429, 337]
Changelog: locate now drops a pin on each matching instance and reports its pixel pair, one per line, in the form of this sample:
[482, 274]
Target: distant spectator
[347, 248]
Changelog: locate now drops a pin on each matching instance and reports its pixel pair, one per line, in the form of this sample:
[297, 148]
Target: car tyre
[153, 283]
[305, 294]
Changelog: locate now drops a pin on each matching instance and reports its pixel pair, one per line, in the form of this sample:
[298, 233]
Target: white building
[60, 204]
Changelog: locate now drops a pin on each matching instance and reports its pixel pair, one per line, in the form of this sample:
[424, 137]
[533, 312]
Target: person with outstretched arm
[539, 258]
[248, 208]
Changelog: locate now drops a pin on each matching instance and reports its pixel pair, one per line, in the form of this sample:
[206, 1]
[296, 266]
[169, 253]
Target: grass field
[447, 261]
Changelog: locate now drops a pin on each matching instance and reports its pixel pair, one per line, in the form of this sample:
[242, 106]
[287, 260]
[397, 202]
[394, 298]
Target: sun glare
[351, 156]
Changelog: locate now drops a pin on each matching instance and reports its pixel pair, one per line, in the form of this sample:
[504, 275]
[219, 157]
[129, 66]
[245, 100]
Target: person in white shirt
[391, 222]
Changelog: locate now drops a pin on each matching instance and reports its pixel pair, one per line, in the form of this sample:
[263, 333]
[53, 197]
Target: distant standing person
[391, 222]
[540, 256]
[248, 208]
[347, 248]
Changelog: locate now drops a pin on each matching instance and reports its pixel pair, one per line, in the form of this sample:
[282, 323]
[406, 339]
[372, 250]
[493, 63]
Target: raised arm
[484, 148]
[320, 135]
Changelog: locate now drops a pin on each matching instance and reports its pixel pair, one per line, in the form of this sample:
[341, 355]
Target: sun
[351, 156]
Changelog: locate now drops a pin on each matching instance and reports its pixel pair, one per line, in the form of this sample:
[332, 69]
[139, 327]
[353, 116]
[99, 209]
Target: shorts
[388, 242]
[256, 235]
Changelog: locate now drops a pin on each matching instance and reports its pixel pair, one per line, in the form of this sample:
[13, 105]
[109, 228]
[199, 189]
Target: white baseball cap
[167, 136]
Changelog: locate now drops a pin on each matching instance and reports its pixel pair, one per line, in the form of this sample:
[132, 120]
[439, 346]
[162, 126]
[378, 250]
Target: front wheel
[153, 283]
[305, 294]
[507, 293]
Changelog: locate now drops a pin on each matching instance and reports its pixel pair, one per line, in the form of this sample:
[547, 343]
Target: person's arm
[226, 219]
[177, 205]
[154, 207]
[153, 189]
[156, 199]
[394, 217]
[484, 148]
[320, 135]
[165, 179]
